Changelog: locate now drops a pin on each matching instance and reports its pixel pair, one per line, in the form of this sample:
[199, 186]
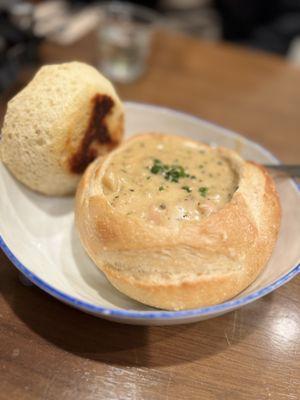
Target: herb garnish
[161, 188]
[203, 191]
[157, 167]
[187, 188]
[171, 173]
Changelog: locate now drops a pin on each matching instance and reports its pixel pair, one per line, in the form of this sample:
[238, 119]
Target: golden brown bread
[176, 263]
[63, 119]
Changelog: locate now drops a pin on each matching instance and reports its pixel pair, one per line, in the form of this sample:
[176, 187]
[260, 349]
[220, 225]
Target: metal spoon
[291, 170]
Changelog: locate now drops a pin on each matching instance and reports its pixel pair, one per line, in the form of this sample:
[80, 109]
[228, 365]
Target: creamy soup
[165, 179]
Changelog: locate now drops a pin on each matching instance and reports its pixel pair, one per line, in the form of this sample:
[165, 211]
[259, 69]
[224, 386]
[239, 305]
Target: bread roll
[176, 224]
[61, 121]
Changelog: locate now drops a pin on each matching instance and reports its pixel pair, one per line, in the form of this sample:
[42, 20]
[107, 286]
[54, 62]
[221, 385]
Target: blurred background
[117, 37]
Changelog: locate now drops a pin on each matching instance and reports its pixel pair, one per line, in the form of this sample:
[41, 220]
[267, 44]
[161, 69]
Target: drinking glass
[124, 36]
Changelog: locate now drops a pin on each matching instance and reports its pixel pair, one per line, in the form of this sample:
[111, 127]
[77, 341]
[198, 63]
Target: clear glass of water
[124, 38]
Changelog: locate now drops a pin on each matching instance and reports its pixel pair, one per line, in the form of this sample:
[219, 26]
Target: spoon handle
[291, 170]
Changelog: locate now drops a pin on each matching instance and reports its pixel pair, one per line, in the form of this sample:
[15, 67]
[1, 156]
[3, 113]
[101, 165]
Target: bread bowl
[176, 224]
[63, 119]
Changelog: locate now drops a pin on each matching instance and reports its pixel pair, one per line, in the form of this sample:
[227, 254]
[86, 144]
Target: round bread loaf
[176, 224]
[61, 121]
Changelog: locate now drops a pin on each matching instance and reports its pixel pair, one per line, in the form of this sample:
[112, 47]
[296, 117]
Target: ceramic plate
[38, 234]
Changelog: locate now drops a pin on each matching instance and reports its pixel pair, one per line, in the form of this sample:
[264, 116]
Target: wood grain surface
[50, 351]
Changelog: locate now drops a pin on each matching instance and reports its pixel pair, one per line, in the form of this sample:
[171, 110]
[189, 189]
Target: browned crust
[96, 133]
[230, 232]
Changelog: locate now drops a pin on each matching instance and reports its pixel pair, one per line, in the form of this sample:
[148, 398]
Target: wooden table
[50, 351]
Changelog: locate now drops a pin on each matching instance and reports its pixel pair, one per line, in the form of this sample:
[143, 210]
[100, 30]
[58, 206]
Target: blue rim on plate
[90, 308]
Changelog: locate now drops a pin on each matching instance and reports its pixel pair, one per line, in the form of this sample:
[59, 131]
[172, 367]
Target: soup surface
[168, 178]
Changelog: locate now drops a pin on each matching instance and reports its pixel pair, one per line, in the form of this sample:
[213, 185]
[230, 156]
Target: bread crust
[63, 119]
[202, 263]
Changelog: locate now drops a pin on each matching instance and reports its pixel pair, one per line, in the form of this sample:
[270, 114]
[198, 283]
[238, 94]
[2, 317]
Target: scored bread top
[65, 117]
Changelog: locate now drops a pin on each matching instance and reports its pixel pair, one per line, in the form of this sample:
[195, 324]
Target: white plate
[37, 233]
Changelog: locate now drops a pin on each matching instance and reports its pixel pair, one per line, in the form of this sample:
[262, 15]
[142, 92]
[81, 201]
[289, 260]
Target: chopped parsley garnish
[161, 188]
[157, 168]
[171, 173]
[203, 191]
[174, 172]
[187, 188]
